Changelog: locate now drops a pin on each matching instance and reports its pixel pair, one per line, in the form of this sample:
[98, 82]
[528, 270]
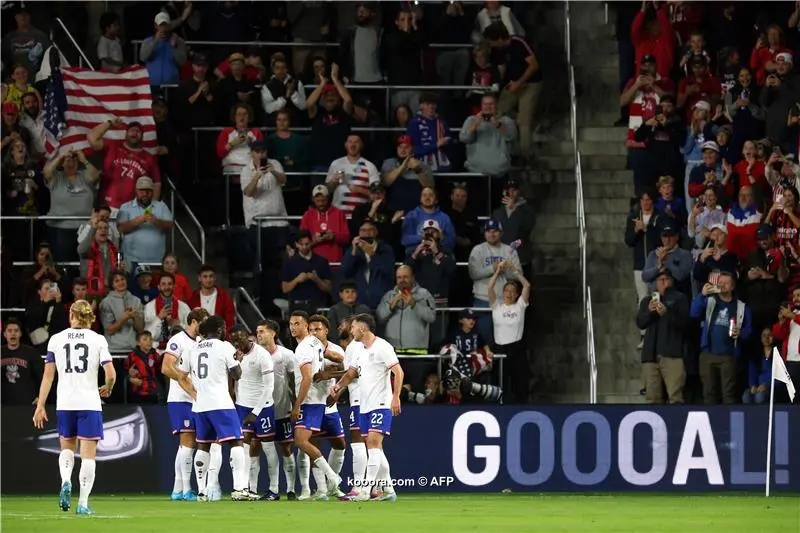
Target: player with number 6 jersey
[76, 354]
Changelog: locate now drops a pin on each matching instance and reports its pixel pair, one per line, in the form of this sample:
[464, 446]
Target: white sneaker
[320, 496]
[215, 494]
[304, 496]
[240, 496]
[333, 484]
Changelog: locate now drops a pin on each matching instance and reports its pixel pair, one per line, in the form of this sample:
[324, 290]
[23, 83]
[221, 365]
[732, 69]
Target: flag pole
[769, 426]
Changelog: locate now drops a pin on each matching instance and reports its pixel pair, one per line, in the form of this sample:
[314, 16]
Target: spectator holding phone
[759, 367]
[784, 216]
[716, 256]
[705, 214]
[488, 136]
[45, 316]
[326, 224]
[165, 311]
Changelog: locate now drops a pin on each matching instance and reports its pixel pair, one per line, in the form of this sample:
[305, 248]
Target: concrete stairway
[608, 187]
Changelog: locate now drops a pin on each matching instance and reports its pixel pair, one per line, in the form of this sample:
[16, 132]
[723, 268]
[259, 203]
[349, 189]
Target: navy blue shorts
[379, 420]
[331, 426]
[218, 425]
[310, 417]
[263, 427]
[181, 417]
[355, 418]
[284, 431]
[86, 425]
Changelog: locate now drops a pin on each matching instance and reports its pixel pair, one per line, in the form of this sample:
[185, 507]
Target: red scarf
[160, 305]
[95, 275]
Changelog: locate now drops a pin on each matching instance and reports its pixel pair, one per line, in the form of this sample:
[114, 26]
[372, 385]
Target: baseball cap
[404, 139]
[511, 183]
[237, 56]
[668, 228]
[162, 18]
[764, 232]
[720, 227]
[784, 57]
[258, 144]
[141, 270]
[493, 224]
[648, 58]
[431, 224]
[319, 189]
[466, 313]
[10, 108]
[376, 187]
[699, 61]
[329, 88]
[710, 145]
[145, 183]
[199, 59]
[702, 104]
[134, 124]
[725, 129]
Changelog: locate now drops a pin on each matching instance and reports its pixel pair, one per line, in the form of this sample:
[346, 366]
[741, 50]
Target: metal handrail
[72, 263]
[436, 309]
[245, 44]
[72, 40]
[590, 349]
[373, 129]
[249, 299]
[201, 255]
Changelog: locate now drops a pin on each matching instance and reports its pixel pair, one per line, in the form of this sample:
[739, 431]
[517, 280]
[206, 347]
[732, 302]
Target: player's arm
[305, 385]
[335, 370]
[111, 378]
[40, 415]
[349, 375]
[186, 384]
[169, 367]
[267, 386]
[330, 355]
[397, 386]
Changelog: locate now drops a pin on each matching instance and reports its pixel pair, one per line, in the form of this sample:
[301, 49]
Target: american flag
[78, 99]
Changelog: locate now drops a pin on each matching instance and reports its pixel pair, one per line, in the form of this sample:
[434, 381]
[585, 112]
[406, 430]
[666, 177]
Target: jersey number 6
[202, 367]
[82, 351]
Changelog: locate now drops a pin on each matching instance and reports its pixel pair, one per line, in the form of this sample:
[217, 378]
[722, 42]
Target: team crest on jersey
[151, 362]
[187, 423]
[173, 346]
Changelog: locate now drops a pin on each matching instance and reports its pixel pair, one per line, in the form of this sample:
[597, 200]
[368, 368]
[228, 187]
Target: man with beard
[124, 162]
[32, 120]
[144, 222]
[360, 54]
[165, 311]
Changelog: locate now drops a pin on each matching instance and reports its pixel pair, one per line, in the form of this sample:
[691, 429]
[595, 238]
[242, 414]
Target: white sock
[359, 464]
[304, 472]
[201, 462]
[177, 486]
[320, 462]
[385, 475]
[272, 464]
[289, 467]
[238, 468]
[374, 460]
[319, 479]
[336, 460]
[186, 454]
[255, 470]
[214, 466]
[86, 478]
[66, 461]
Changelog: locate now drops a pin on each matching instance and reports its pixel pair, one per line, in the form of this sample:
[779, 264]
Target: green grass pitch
[489, 513]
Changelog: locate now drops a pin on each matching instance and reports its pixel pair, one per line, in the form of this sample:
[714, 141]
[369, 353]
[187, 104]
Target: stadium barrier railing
[176, 225]
[81, 55]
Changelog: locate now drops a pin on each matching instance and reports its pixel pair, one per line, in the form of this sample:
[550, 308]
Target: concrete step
[602, 134]
[588, 162]
[591, 191]
[598, 177]
[594, 117]
[564, 236]
[586, 148]
[620, 399]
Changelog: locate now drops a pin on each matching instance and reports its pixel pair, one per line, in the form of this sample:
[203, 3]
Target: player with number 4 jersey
[76, 354]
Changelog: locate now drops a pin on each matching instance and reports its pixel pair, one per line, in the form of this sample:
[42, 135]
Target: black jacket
[663, 335]
[645, 242]
[402, 57]
[36, 317]
[763, 296]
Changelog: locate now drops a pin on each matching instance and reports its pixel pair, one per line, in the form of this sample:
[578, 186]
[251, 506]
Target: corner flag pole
[769, 426]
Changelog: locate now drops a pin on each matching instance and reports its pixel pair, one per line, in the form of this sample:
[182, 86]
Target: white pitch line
[30, 516]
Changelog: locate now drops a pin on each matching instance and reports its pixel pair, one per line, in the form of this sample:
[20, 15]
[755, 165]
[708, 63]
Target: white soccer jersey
[177, 345]
[78, 354]
[351, 361]
[283, 366]
[256, 365]
[309, 352]
[328, 383]
[209, 363]
[374, 364]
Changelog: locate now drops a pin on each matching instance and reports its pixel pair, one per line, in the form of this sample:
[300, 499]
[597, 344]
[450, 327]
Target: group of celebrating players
[248, 393]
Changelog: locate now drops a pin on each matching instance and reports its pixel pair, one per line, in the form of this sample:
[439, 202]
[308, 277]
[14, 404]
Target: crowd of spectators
[377, 198]
[710, 97]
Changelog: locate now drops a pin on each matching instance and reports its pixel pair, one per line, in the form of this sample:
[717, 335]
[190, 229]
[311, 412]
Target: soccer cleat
[291, 496]
[320, 497]
[202, 497]
[240, 496]
[252, 496]
[333, 484]
[304, 496]
[215, 494]
[336, 493]
[348, 496]
[84, 509]
[360, 497]
[272, 497]
[386, 497]
[64, 496]
[176, 496]
[189, 496]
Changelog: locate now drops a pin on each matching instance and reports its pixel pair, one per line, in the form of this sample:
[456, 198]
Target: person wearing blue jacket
[725, 322]
[164, 53]
[370, 262]
[759, 371]
[430, 135]
[411, 232]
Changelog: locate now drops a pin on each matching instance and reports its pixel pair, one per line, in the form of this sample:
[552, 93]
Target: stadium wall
[457, 449]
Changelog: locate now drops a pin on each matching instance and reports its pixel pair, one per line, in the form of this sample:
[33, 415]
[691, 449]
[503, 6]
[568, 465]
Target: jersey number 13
[81, 351]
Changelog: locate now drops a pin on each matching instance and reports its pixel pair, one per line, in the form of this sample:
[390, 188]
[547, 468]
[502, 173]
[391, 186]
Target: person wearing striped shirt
[349, 177]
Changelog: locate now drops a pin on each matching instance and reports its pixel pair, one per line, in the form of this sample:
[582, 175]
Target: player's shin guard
[86, 478]
[272, 465]
[66, 462]
[201, 461]
[304, 472]
[238, 468]
[319, 479]
[255, 470]
[185, 454]
[385, 475]
[214, 466]
[289, 467]
[359, 464]
[336, 460]
[374, 460]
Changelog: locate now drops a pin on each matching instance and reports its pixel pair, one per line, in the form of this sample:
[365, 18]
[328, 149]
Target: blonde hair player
[77, 354]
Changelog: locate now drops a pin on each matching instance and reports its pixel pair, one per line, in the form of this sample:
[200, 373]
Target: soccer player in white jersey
[210, 362]
[331, 428]
[357, 443]
[309, 405]
[77, 354]
[379, 403]
[179, 403]
[254, 403]
[283, 366]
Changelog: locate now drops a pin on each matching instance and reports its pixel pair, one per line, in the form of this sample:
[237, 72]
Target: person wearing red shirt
[685, 18]
[212, 298]
[699, 85]
[254, 69]
[751, 171]
[762, 60]
[327, 226]
[643, 95]
[652, 34]
[124, 162]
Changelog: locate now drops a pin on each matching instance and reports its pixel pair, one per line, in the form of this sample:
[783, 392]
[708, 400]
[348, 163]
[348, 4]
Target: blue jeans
[484, 322]
[757, 398]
